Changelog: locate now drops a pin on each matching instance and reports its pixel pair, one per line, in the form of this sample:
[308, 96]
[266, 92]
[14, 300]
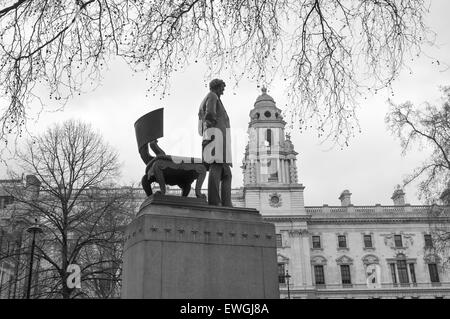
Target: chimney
[345, 198]
[398, 197]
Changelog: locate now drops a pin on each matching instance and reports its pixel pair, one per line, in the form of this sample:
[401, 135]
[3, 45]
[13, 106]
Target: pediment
[432, 259]
[318, 260]
[370, 259]
[344, 260]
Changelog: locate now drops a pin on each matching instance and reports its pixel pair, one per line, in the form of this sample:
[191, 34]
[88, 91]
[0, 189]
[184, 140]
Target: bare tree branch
[429, 127]
[328, 52]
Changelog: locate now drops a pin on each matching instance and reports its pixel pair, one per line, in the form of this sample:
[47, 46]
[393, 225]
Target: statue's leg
[199, 183]
[159, 176]
[226, 186]
[146, 185]
[186, 188]
[215, 173]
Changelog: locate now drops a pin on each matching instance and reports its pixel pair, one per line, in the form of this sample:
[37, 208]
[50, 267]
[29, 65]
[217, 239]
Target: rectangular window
[434, 276]
[402, 271]
[281, 273]
[393, 273]
[319, 275]
[342, 241]
[279, 240]
[412, 272]
[428, 241]
[316, 241]
[345, 274]
[398, 240]
[368, 241]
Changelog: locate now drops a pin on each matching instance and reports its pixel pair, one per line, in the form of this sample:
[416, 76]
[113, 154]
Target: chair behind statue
[161, 168]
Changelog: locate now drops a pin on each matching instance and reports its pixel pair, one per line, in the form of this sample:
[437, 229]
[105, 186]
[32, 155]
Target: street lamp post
[33, 229]
[287, 276]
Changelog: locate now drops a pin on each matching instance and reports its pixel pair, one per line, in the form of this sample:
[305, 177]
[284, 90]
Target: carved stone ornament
[370, 259]
[432, 259]
[297, 232]
[318, 260]
[407, 240]
[275, 200]
[344, 260]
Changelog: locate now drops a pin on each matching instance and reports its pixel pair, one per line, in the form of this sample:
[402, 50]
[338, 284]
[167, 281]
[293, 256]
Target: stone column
[293, 172]
[282, 172]
[258, 171]
[306, 264]
[291, 169]
[286, 170]
[252, 172]
[279, 170]
[296, 257]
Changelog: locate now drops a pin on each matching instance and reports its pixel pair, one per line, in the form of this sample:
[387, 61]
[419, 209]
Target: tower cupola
[270, 162]
[265, 110]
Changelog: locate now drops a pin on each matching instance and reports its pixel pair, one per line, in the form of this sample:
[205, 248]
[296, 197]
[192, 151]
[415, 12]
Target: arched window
[345, 263]
[269, 137]
[370, 259]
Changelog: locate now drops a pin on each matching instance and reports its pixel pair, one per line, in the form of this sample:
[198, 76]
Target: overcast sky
[370, 167]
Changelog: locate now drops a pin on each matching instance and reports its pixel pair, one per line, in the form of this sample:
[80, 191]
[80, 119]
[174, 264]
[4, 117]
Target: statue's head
[217, 86]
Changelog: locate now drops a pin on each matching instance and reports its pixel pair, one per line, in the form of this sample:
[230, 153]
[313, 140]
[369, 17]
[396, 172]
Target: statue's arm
[211, 111]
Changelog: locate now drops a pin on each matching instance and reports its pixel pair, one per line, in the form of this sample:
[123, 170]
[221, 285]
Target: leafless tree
[327, 51]
[429, 129]
[439, 223]
[81, 225]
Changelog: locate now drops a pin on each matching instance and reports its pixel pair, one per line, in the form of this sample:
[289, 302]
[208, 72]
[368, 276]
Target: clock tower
[269, 166]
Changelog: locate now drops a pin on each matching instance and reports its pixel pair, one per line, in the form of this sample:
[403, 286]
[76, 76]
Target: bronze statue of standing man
[214, 126]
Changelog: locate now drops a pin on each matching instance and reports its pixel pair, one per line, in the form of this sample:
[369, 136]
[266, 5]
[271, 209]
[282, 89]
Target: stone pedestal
[183, 248]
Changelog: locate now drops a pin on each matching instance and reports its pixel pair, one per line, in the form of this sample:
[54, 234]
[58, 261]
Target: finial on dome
[264, 90]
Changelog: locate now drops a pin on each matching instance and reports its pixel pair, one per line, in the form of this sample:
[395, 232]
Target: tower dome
[264, 100]
[265, 109]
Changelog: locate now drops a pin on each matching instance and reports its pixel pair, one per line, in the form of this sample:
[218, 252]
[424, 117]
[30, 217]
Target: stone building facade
[337, 252]
[14, 238]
